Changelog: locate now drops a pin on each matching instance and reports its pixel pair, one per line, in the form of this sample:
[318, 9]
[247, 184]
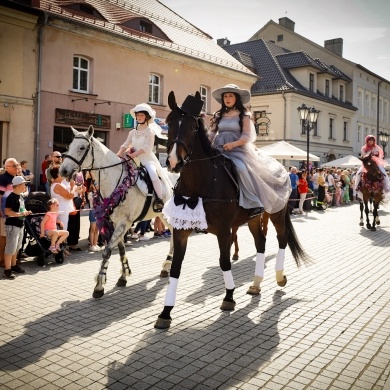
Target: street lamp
[383, 138]
[308, 117]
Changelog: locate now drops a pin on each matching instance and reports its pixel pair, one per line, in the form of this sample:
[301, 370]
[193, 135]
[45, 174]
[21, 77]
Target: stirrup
[158, 205]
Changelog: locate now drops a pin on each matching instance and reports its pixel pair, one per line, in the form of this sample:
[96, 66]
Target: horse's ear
[75, 132]
[197, 95]
[172, 100]
[90, 131]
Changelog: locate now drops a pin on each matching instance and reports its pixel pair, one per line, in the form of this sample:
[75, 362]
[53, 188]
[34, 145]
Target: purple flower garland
[105, 207]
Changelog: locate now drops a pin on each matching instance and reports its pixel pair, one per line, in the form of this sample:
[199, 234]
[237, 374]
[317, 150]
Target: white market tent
[282, 150]
[344, 162]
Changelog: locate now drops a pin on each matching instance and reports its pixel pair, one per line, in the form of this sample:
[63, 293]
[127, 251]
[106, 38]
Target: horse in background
[118, 190]
[371, 186]
[207, 176]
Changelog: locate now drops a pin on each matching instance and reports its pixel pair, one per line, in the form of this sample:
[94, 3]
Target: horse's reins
[91, 168]
[189, 150]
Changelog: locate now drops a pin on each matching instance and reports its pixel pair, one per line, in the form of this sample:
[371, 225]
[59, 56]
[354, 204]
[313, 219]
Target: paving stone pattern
[329, 328]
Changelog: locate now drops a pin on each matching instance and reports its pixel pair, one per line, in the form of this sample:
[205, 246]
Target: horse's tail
[299, 254]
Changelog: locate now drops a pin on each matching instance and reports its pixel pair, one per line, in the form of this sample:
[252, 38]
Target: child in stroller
[37, 246]
[49, 226]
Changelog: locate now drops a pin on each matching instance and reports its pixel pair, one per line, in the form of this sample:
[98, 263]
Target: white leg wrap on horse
[279, 265]
[170, 296]
[260, 261]
[228, 278]
[259, 270]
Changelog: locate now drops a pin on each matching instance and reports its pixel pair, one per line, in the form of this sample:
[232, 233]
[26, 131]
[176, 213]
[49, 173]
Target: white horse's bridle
[90, 147]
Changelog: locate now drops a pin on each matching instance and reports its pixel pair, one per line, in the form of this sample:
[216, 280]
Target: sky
[364, 25]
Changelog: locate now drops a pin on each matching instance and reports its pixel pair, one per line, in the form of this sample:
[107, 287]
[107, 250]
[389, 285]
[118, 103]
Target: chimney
[223, 42]
[287, 23]
[335, 46]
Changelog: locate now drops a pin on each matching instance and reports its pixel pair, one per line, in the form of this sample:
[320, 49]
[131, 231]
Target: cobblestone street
[329, 328]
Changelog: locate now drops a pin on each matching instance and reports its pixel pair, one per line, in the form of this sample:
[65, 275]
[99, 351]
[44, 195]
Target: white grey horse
[86, 152]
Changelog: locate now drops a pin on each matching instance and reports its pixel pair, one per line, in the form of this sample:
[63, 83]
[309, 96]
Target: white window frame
[360, 101]
[367, 104]
[79, 71]
[204, 95]
[152, 85]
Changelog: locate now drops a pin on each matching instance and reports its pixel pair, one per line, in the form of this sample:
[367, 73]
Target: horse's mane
[202, 130]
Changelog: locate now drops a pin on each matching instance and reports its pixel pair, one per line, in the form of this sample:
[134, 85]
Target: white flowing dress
[144, 139]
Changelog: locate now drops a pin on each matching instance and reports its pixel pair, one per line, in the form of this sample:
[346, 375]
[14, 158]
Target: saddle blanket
[182, 213]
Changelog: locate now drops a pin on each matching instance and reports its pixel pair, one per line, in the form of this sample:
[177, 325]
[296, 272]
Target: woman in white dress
[139, 146]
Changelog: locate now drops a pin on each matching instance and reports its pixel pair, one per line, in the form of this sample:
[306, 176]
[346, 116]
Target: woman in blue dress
[264, 182]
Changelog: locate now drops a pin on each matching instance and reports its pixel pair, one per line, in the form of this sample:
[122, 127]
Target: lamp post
[308, 117]
[383, 139]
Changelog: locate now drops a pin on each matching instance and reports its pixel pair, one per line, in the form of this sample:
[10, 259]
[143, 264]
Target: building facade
[367, 91]
[97, 59]
[286, 80]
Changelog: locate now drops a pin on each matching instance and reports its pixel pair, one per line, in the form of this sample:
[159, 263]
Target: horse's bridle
[90, 146]
[91, 167]
[189, 150]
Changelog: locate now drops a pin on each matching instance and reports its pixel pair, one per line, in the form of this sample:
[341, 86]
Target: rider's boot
[158, 203]
[255, 212]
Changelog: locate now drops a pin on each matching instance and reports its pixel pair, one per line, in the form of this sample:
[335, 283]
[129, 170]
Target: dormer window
[327, 88]
[312, 83]
[341, 94]
[85, 9]
[145, 27]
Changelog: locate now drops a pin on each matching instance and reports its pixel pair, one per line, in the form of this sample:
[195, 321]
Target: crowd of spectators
[321, 187]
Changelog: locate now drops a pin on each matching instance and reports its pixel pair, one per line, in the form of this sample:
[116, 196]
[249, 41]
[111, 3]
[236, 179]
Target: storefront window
[63, 136]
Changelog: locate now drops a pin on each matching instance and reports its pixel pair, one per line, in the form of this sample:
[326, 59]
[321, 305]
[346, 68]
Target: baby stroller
[36, 203]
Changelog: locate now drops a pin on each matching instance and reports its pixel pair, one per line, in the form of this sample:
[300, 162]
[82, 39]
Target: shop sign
[78, 118]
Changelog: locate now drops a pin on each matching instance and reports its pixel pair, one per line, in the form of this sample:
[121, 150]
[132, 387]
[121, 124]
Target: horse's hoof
[253, 290]
[98, 294]
[235, 257]
[361, 224]
[228, 305]
[283, 282]
[164, 274]
[162, 323]
[121, 282]
[378, 222]
[373, 229]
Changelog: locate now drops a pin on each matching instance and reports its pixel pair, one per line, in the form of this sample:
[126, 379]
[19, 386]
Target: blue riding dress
[263, 181]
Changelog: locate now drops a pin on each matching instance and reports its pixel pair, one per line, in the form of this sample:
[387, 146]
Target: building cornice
[17, 18]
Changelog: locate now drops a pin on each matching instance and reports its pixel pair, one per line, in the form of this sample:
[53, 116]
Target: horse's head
[183, 123]
[370, 166]
[80, 153]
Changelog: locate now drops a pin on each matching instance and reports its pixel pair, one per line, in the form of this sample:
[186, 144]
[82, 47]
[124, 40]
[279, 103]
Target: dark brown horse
[371, 186]
[206, 174]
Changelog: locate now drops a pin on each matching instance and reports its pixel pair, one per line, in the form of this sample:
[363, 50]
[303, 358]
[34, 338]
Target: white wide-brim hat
[244, 93]
[143, 107]
[157, 130]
